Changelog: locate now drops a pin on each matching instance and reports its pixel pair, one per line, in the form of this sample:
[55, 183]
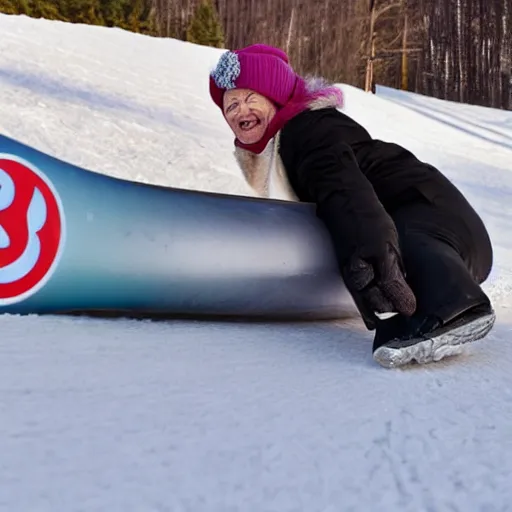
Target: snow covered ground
[126, 415]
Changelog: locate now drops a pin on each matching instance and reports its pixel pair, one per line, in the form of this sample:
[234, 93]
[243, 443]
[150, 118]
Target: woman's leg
[447, 255]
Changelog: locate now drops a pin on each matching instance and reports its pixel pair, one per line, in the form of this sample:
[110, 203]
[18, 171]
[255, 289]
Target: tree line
[459, 50]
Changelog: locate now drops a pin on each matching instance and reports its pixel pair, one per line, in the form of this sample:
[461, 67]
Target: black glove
[378, 284]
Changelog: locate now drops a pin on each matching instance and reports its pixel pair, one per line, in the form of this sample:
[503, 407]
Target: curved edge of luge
[102, 244]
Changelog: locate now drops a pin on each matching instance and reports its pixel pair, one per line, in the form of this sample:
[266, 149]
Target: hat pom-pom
[227, 71]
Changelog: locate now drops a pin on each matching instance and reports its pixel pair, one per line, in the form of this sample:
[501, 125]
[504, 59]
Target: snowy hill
[126, 415]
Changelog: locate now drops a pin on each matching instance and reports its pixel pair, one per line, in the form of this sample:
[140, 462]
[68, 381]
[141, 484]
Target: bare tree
[459, 50]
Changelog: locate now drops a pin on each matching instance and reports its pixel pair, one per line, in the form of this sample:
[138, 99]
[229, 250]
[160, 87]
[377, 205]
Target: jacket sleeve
[325, 170]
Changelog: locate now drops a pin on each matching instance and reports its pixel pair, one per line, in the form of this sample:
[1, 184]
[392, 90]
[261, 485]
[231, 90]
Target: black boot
[399, 342]
[444, 270]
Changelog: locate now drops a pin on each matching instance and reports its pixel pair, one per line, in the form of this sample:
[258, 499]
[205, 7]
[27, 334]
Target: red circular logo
[31, 229]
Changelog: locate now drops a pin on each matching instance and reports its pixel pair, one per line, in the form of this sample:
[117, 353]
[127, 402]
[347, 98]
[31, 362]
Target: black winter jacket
[355, 181]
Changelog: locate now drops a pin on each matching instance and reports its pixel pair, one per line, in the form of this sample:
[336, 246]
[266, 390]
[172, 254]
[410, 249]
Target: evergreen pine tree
[43, 9]
[135, 15]
[10, 7]
[113, 12]
[81, 11]
[205, 28]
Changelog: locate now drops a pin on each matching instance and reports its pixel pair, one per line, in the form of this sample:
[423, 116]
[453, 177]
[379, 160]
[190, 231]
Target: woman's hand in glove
[379, 283]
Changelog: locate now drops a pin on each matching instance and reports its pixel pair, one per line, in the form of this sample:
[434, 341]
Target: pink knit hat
[266, 70]
[258, 67]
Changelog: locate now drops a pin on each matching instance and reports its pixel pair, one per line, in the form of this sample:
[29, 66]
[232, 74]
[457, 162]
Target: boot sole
[445, 344]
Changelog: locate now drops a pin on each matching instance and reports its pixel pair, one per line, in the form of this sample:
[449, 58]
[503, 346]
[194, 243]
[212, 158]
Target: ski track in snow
[126, 415]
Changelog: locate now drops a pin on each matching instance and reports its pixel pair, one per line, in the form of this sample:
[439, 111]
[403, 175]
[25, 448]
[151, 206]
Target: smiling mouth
[249, 124]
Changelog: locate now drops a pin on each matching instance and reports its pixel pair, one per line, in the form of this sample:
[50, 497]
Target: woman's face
[248, 114]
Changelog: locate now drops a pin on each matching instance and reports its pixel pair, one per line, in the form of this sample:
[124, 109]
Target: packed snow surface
[124, 415]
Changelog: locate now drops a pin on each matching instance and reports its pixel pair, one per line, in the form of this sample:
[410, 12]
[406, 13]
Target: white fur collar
[265, 172]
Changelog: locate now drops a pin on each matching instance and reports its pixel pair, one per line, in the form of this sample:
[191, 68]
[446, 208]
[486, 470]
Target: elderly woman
[410, 248]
